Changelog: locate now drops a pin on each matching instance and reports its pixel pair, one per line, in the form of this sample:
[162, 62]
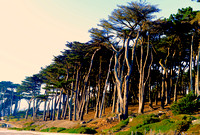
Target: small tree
[186, 105]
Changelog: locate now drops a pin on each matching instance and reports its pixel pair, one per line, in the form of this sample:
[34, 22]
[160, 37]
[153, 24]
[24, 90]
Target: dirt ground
[98, 123]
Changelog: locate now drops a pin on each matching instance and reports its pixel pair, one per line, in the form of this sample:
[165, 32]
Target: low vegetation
[118, 127]
[154, 124]
[186, 105]
[82, 130]
[166, 121]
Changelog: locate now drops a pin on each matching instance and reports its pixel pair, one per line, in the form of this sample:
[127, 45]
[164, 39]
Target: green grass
[144, 123]
[82, 130]
[118, 127]
[14, 128]
[29, 127]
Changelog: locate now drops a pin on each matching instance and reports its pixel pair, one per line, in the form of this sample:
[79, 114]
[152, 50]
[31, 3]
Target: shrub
[182, 125]
[186, 105]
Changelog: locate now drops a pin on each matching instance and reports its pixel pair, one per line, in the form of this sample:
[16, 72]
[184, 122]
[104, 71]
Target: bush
[186, 105]
[182, 125]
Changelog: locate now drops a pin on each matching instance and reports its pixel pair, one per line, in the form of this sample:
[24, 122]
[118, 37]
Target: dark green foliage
[186, 105]
[182, 125]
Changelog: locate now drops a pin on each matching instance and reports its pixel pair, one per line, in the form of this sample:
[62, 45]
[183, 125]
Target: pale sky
[33, 31]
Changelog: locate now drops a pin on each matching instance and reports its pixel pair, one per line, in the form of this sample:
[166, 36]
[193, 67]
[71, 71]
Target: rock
[160, 113]
[194, 122]
[83, 122]
[130, 119]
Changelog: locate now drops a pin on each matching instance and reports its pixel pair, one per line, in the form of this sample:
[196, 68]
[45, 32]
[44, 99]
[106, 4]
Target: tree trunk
[197, 75]
[29, 104]
[87, 99]
[34, 108]
[48, 111]
[44, 111]
[150, 95]
[16, 107]
[163, 89]
[166, 88]
[164, 84]
[97, 103]
[11, 102]
[37, 107]
[70, 103]
[105, 87]
[59, 106]
[63, 105]
[191, 51]
[142, 80]
[85, 85]
[175, 87]
[114, 99]
[51, 116]
[54, 108]
[76, 93]
[66, 105]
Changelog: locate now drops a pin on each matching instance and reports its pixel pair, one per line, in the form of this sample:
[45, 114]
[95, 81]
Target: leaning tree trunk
[85, 85]
[37, 107]
[105, 87]
[29, 104]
